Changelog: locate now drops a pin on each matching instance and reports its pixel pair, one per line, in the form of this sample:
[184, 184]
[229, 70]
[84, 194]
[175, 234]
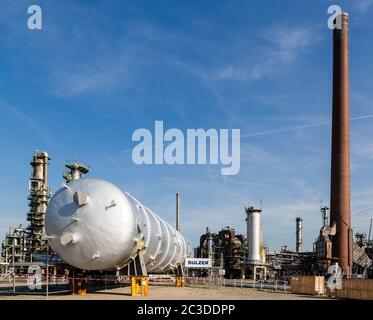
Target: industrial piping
[340, 214]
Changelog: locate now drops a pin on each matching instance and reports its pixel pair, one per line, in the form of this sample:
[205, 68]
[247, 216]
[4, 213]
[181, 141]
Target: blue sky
[98, 70]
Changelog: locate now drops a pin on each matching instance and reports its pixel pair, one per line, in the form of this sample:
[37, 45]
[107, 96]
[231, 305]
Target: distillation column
[38, 200]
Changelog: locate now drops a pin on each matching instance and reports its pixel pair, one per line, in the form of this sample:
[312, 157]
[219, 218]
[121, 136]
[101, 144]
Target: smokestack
[340, 163]
[178, 211]
[298, 235]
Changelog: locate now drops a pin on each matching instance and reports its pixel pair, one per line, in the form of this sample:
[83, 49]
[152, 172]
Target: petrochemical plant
[335, 243]
[90, 226]
[116, 227]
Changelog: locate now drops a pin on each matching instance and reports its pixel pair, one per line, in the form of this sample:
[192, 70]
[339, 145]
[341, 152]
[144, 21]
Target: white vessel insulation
[93, 225]
[253, 235]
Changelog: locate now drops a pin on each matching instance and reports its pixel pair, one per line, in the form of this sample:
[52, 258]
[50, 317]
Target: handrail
[9, 273]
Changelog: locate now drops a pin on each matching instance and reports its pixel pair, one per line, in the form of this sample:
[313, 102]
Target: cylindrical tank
[253, 234]
[93, 225]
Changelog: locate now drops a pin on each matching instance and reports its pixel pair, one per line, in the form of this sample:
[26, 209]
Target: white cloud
[285, 46]
[96, 75]
[363, 150]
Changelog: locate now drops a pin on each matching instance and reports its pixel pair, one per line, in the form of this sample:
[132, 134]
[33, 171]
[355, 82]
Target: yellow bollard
[133, 287]
[139, 286]
[180, 281]
[80, 287]
[144, 286]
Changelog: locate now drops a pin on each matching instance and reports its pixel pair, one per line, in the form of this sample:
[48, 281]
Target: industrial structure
[93, 225]
[340, 213]
[75, 170]
[256, 259]
[247, 256]
[38, 201]
[226, 249]
[21, 245]
[298, 235]
[14, 247]
[85, 219]
[323, 245]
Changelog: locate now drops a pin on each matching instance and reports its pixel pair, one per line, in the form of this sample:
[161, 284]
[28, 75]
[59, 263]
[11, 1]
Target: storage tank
[92, 225]
[253, 234]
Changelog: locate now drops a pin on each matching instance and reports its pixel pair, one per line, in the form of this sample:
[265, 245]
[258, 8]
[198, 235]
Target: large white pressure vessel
[93, 225]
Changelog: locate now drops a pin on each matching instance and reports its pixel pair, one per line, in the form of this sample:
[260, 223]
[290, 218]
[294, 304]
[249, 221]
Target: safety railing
[7, 275]
[271, 285]
[43, 284]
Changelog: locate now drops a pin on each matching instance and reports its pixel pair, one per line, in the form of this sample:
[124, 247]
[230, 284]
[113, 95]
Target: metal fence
[274, 285]
[37, 281]
[42, 283]
[34, 283]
